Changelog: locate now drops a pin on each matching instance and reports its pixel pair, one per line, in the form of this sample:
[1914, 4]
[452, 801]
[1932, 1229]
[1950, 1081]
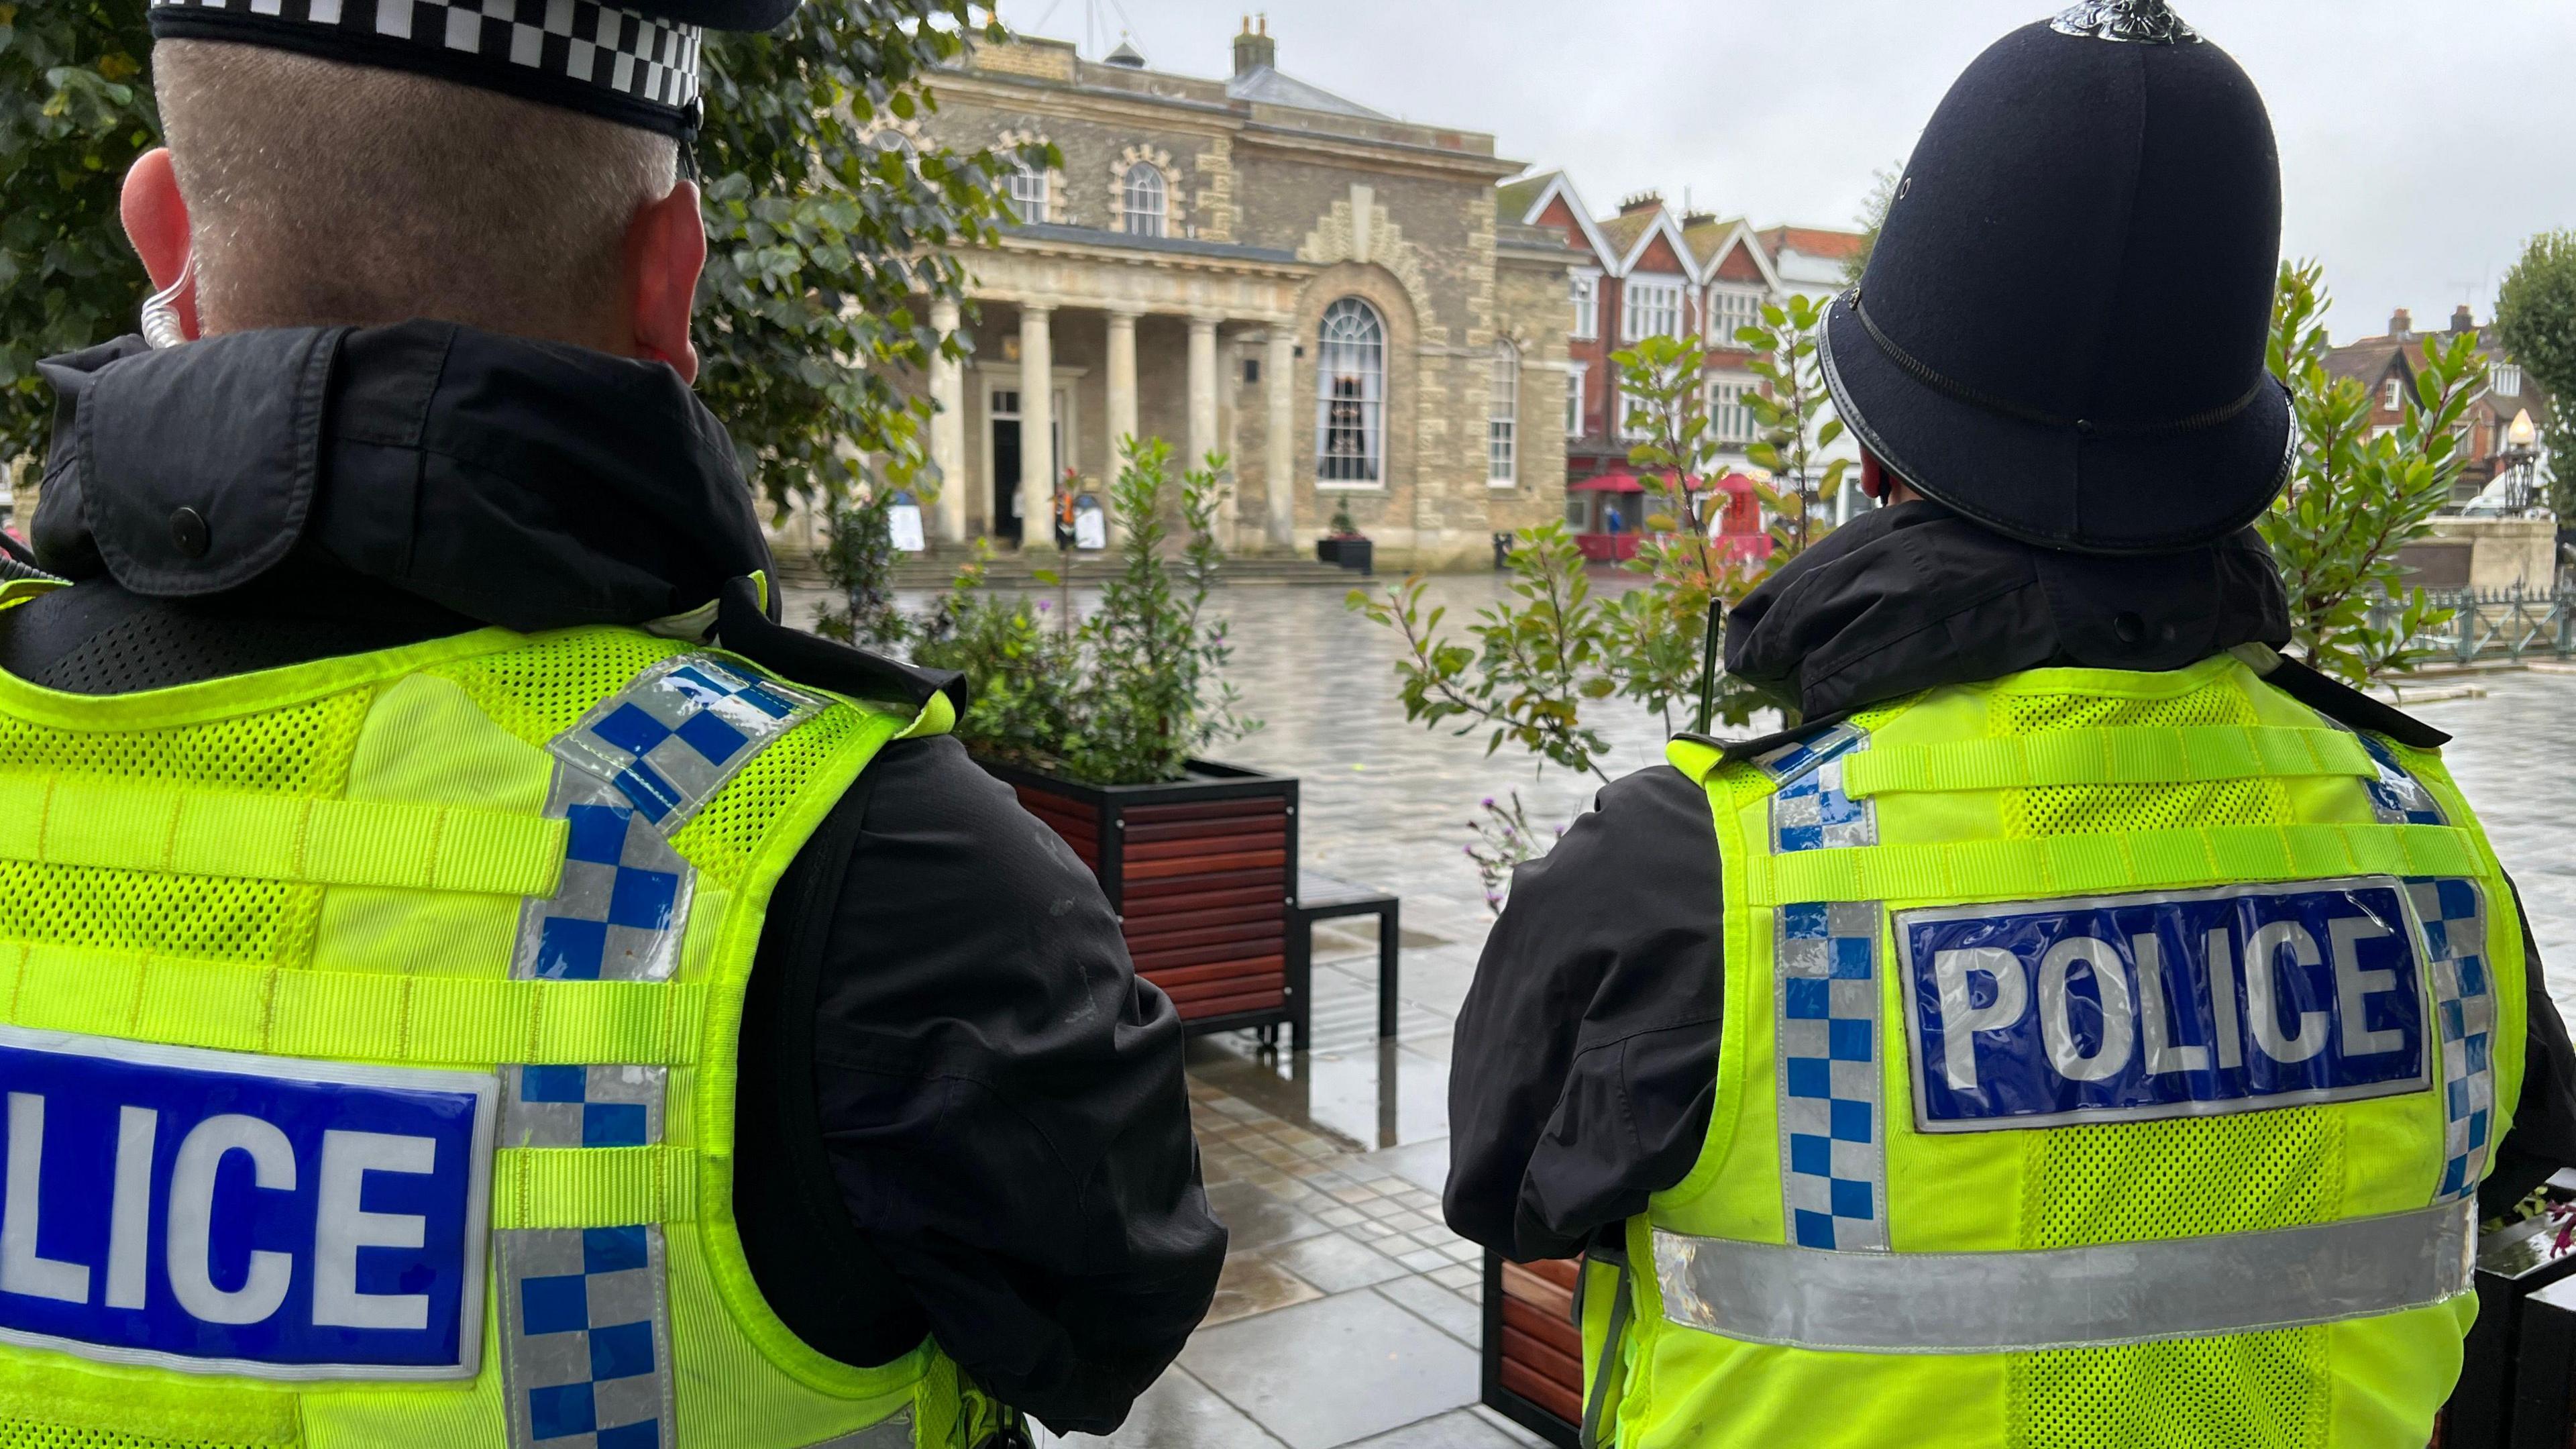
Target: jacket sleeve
[1586, 1058]
[1002, 1100]
[2543, 1138]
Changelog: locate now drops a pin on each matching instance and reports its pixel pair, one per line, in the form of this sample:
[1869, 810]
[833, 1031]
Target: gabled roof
[1710, 244]
[1554, 186]
[1814, 241]
[1270, 86]
[1630, 233]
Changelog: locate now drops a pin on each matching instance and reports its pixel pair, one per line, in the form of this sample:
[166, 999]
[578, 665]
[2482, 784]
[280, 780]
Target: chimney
[1692, 219]
[1642, 201]
[2462, 320]
[2402, 325]
[1254, 49]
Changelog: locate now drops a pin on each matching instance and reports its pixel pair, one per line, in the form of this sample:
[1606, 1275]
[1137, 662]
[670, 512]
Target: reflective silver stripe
[2066, 1297]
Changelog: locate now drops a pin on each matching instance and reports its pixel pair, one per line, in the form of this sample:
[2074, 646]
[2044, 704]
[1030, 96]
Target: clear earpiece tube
[161, 324]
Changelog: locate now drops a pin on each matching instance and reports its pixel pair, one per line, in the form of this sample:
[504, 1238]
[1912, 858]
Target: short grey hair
[320, 193]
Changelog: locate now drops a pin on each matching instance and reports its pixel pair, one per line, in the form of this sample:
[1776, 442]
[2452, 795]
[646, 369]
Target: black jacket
[961, 1114]
[1586, 1058]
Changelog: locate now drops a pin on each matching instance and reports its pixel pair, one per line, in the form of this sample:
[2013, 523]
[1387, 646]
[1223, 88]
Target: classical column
[1202, 390]
[1279, 372]
[1037, 421]
[1122, 389]
[948, 428]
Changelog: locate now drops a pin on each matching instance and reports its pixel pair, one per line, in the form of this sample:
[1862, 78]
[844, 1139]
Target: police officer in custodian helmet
[472, 977]
[2088, 1028]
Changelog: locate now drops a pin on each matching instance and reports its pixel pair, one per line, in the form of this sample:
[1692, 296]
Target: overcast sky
[2422, 140]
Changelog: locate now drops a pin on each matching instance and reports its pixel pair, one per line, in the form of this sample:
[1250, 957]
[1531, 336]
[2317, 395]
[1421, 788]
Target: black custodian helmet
[2061, 331]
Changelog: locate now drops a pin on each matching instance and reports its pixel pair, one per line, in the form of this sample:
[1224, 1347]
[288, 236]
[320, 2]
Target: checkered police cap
[637, 64]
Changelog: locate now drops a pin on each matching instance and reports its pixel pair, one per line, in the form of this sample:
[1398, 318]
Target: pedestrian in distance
[2085, 1026]
[477, 979]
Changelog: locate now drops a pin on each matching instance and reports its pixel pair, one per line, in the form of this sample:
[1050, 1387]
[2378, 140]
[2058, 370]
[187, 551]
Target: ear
[156, 224]
[1873, 475]
[666, 249]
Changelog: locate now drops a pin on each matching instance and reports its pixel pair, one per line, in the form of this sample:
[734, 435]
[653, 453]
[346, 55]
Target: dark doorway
[1005, 517]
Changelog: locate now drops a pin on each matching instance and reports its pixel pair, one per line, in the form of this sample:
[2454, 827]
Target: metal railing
[2493, 624]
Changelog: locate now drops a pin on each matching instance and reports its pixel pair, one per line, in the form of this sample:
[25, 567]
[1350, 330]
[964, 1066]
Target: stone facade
[1201, 324]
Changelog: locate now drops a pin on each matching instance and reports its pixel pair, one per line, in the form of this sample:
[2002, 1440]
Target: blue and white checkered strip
[585, 1346]
[672, 738]
[587, 1337]
[2454, 913]
[2396, 797]
[581, 41]
[1833, 1154]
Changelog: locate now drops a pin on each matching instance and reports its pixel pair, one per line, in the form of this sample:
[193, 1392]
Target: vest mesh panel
[538, 690]
[2085, 1186]
[16, 1434]
[723, 837]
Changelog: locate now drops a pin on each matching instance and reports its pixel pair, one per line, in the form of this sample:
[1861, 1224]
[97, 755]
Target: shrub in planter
[1345, 545]
[1098, 723]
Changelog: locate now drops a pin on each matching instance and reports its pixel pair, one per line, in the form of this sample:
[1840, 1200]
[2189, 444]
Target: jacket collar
[520, 483]
[1907, 598]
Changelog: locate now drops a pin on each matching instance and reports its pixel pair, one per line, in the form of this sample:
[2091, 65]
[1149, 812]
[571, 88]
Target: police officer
[474, 977]
[2088, 1027]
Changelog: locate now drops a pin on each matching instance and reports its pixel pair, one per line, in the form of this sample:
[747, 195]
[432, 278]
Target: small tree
[2353, 499]
[1555, 648]
[2536, 311]
[1129, 696]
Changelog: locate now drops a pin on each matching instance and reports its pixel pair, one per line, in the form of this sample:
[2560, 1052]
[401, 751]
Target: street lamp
[2522, 454]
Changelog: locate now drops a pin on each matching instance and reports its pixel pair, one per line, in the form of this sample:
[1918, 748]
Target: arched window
[1143, 200]
[1350, 394]
[1502, 418]
[1029, 194]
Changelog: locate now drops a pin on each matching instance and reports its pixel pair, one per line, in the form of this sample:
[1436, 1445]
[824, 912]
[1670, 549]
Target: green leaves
[2353, 499]
[75, 110]
[822, 234]
[1134, 690]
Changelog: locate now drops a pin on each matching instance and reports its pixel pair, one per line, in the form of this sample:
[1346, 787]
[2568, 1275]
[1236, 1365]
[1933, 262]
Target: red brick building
[1649, 271]
[2387, 366]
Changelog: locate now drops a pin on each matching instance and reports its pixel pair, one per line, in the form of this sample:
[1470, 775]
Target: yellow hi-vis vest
[368, 1029]
[2109, 1059]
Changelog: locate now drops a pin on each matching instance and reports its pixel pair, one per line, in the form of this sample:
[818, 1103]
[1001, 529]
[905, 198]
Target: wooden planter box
[1533, 1355]
[1202, 873]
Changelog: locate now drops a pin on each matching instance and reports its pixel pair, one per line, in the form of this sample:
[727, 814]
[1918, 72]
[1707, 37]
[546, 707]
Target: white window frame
[1577, 375]
[1652, 307]
[1502, 419]
[2393, 396]
[1730, 418]
[1144, 182]
[1586, 290]
[1730, 307]
[2505, 380]
[1351, 335]
[1032, 195]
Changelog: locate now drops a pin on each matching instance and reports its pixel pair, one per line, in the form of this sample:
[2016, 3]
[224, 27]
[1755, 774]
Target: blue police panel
[2162, 1005]
[239, 1214]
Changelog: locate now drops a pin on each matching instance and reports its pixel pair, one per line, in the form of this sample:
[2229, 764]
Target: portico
[1085, 342]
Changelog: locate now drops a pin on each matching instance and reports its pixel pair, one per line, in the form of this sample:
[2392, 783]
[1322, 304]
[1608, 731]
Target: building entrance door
[1004, 520]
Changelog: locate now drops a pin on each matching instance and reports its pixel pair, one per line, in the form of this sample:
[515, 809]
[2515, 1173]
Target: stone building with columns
[1256, 267]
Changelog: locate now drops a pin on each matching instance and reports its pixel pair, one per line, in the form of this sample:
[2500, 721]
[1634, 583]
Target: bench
[1326, 898]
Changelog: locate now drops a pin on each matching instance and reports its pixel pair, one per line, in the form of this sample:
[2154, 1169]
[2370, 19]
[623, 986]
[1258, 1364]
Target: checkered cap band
[635, 59]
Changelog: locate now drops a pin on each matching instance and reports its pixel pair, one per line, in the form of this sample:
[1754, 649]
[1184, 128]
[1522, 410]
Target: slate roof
[1270, 86]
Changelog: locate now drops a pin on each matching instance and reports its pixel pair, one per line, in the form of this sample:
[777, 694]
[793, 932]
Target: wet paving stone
[1336, 1370]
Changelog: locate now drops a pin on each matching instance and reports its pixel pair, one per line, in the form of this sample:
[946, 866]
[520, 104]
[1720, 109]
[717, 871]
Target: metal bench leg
[1301, 981]
[1390, 941]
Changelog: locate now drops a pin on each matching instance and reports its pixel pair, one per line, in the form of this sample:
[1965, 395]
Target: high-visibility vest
[2108, 1059]
[368, 1028]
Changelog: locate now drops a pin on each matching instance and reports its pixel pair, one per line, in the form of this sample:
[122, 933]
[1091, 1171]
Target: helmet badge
[2137, 22]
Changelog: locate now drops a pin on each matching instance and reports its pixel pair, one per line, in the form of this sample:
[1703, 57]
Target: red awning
[1608, 483]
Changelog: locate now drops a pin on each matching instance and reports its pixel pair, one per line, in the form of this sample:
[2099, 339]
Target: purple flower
[1045, 604]
[1489, 802]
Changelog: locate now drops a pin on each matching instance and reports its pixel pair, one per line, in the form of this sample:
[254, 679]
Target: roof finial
[2138, 22]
